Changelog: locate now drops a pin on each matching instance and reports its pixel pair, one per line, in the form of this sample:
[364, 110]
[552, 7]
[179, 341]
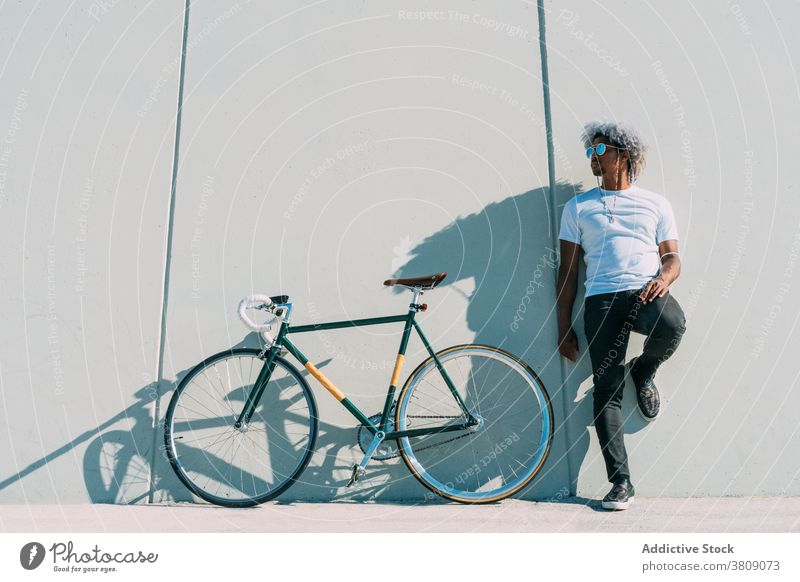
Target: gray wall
[327, 146]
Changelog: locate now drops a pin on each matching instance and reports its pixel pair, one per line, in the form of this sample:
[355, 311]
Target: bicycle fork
[258, 389]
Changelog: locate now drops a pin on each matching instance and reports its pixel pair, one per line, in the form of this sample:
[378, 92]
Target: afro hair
[622, 136]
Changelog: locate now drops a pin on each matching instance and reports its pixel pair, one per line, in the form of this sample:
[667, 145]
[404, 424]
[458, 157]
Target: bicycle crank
[361, 469]
[387, 449]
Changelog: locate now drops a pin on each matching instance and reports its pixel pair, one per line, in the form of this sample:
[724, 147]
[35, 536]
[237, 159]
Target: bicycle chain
[461, 436]
[360, 428]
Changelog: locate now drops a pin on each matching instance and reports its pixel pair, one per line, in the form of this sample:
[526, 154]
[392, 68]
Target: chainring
[387, 449]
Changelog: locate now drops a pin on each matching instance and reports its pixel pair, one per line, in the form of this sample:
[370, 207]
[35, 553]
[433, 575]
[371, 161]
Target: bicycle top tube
[414, 306]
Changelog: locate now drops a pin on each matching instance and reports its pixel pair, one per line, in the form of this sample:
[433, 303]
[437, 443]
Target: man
[629, 241]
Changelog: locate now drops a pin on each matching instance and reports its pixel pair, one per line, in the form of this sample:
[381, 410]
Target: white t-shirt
[622, 254]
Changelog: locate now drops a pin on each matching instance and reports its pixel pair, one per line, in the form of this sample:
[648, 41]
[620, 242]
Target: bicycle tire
[440, 466]
[190, 463]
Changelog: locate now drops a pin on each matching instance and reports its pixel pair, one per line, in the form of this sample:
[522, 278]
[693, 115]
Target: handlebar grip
[248, 303]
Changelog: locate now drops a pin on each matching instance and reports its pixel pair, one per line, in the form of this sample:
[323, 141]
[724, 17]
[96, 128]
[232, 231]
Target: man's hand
[568, 344]
[669, 271]
[655, 288]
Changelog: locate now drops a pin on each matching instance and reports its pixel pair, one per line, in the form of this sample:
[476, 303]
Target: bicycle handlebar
[250, 302]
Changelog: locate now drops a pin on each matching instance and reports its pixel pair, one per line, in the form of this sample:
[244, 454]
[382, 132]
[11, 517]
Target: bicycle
[473, 423]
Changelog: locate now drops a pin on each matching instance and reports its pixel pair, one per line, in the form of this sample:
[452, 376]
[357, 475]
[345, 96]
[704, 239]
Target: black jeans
[608, 319]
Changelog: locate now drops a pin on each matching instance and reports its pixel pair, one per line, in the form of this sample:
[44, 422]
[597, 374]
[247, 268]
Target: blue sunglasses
[600, 149]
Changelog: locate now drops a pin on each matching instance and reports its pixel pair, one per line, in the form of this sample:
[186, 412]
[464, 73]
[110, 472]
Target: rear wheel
[252, 464]
[503, 452]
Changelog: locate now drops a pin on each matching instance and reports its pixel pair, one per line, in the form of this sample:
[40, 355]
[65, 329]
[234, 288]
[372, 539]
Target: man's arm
[671, 264]
[670, 270]
[566, 291]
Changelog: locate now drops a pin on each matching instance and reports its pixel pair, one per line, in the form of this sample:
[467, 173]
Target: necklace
[609, 212]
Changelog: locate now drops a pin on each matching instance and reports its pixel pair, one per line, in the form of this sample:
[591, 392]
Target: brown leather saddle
[427, 282]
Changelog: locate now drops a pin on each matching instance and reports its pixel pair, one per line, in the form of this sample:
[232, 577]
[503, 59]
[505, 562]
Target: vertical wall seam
[168, 256]
[551, 173]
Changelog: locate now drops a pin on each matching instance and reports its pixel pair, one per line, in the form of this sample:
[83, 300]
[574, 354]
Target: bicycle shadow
[116, 464]
[507, 249]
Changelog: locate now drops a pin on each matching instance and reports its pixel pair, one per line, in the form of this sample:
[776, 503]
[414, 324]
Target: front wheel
[498, 455]
[251, 464]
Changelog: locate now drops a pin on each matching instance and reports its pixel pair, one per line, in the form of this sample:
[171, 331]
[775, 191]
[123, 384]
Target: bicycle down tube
[409, 319]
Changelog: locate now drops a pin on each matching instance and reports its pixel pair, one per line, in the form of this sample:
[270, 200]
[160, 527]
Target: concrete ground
[728, 514]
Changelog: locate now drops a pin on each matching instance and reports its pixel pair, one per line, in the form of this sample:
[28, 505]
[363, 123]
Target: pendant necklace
[609, 212]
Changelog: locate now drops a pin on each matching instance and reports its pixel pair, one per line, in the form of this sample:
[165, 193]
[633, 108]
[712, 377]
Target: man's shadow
[507, 249]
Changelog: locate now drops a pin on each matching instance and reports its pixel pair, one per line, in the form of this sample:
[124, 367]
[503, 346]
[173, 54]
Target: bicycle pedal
[358, 472]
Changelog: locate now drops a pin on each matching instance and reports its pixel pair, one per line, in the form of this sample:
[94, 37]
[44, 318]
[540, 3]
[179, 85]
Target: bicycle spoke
[213, 413]
[507, 446]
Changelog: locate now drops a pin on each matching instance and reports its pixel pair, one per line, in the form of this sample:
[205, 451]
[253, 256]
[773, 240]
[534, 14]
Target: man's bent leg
[664, 323]
[608, 320]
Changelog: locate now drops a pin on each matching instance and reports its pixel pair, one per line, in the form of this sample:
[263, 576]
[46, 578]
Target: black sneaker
[620, 496]
[646, 394]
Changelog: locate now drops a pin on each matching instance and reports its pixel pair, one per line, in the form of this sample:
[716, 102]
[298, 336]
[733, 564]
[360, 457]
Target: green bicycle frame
[410, 322]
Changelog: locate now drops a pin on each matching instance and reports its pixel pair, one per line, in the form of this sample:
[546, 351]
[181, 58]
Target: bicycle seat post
[417, 290]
